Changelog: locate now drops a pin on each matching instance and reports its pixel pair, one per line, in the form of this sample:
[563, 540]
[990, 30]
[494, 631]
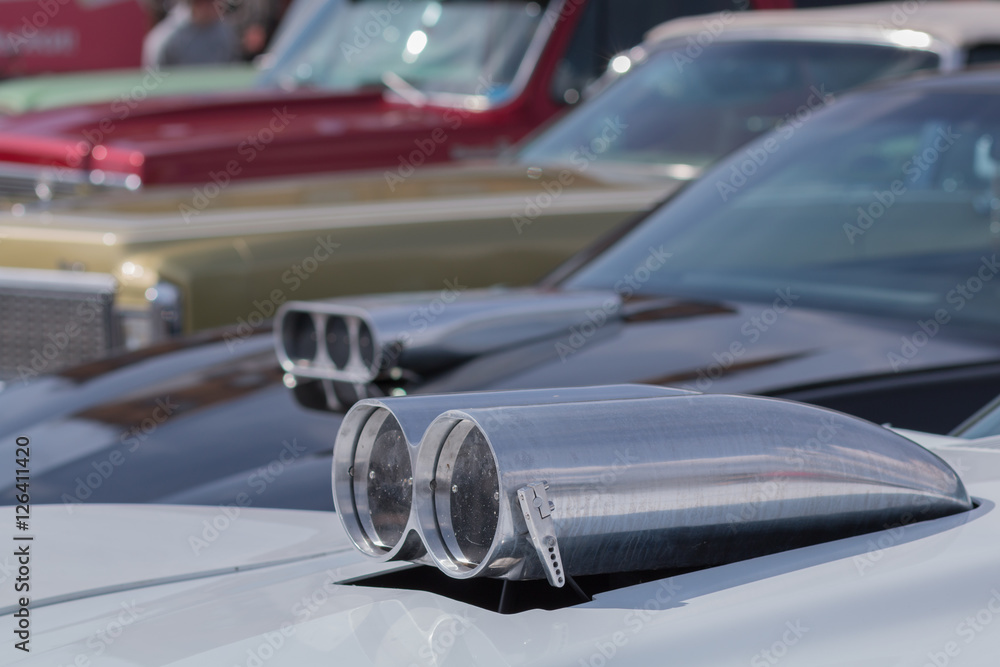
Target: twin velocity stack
[557, 483]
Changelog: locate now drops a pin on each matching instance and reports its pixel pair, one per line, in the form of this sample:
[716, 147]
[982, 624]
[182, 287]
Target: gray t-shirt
[191, 44]
[152, 45]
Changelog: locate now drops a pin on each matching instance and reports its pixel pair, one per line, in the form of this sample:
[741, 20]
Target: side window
[608, 27]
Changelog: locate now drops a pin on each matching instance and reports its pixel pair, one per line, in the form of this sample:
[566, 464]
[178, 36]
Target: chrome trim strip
[55, 280]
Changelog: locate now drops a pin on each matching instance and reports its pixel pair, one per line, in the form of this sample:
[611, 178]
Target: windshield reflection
[466, 47]
[683, 114]
[885, 204]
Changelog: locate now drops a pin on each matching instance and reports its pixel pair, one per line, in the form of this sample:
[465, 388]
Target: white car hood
[122, 586]
[108, 548]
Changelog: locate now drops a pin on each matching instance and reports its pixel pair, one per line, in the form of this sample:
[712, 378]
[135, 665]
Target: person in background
[254, 21]
[193, 33]
[167, 21]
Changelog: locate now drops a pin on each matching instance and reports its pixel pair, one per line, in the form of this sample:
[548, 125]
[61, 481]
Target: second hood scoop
[359, 340]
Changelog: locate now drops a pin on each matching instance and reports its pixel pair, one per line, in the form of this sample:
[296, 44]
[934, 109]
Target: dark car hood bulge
[209, 421]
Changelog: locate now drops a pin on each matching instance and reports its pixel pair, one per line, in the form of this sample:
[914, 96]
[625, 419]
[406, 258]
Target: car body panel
[440, 225]
[262, 134]
[896, 596]
[182, 538]
[272, 132]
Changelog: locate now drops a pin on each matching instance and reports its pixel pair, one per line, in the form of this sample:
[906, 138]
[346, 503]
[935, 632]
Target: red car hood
[246, 134]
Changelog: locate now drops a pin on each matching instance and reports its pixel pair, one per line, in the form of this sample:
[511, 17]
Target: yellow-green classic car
[132, 270]
[82, 277]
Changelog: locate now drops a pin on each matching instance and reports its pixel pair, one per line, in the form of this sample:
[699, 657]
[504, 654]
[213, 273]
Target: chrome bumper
[30, 183]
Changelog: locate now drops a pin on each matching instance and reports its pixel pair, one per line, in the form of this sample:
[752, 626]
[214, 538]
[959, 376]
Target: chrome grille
[50, 320]
[24, 183]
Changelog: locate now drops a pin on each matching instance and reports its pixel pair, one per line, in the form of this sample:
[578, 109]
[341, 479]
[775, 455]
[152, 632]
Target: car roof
[959, 23]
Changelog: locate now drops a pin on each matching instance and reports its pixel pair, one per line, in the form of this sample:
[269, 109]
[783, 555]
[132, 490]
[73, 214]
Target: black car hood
[208, 420]
[719, 347]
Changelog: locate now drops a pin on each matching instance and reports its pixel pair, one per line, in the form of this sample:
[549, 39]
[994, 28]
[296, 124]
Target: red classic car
[382, 84]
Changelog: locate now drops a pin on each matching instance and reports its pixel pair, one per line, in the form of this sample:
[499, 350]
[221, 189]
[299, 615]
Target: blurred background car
[178, 260]
[853, 267]
[469, 77]
[126, 88]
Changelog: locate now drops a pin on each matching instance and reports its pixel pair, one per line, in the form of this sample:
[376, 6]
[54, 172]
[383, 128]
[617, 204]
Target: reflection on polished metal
[649, 483]
[376, 449]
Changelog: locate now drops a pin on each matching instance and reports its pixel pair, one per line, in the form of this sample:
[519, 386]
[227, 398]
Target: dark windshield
[886, 203]
[465, 47]
[683, 112]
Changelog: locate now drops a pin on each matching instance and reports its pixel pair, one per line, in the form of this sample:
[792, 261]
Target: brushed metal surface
[692, 480]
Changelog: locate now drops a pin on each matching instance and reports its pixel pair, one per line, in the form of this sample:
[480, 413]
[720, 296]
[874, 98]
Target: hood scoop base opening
[509, 596]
